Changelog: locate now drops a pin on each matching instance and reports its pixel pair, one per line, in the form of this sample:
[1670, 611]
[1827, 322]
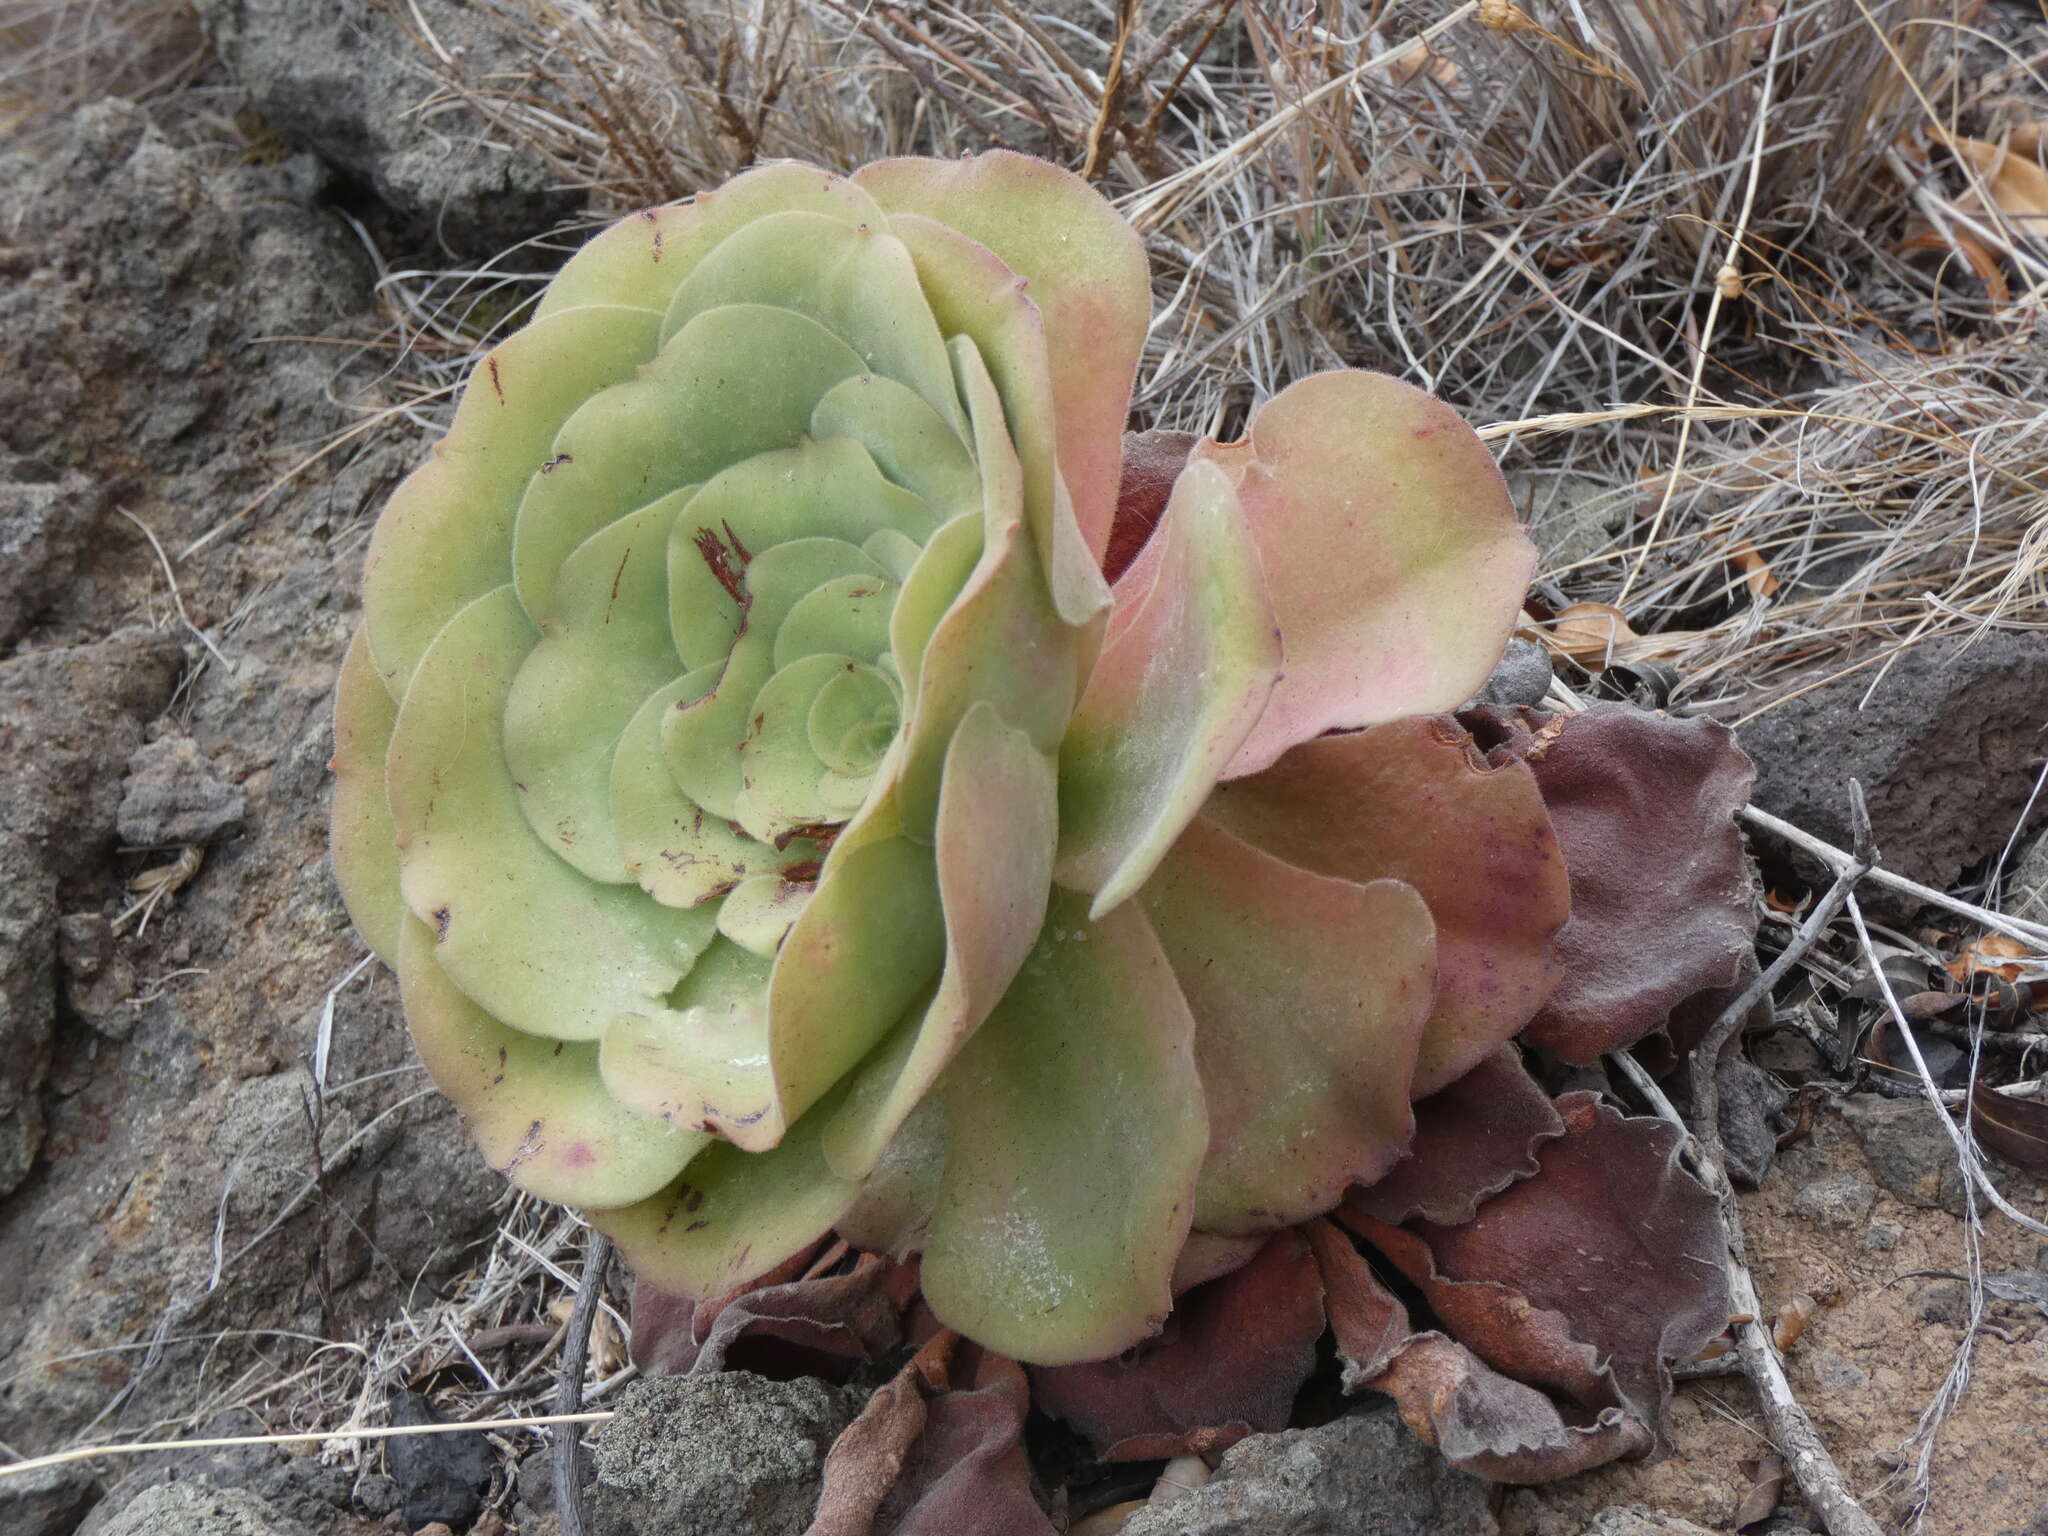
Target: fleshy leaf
[528, 939]
[702, 1060]
[856, 280]
[868, 943]
[1392, 555]
[1153, 461]
[643, 259]
[445, 538]
[734, 382]
[1412, 801]
[538, 1108]
[363, 841]
[605, 649]
[993, 846]
[1173, 694]
[1228, 1364]
[1309, 995]
[1084, 270]
[732, 1216]
[1074, 1131]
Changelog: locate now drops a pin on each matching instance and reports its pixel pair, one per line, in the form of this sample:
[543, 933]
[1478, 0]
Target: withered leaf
[2015, 1129]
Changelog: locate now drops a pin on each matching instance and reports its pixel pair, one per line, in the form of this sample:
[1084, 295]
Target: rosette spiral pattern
[778, 823]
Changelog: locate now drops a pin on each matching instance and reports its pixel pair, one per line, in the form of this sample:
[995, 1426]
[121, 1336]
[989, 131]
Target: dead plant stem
[569, 1396]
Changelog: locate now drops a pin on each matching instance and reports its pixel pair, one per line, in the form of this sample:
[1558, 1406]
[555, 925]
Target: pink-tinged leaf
[997, 820]
[1309, 995]
[1084, 270]
[361, 838]
[1152, 462]
[807, 1324]
[1182, 679]
[1411, 800]
[1392, 554]
[1472, 1140]
[1074, 1131]
[999, 642]
[980, 305]
[1228, 1363]
[537, 1108]
[1483, 1422]
[1663, 901]
[1208, 1256]
[937, 1452]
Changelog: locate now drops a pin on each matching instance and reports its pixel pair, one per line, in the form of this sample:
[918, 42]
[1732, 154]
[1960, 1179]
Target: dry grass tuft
[56, 55]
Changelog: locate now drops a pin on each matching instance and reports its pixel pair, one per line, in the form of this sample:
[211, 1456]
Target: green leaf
[1074, 1131]
[702, 1060]
[703, 740]
[870, 941]
[539, 1109]
[679, 854]
[996, 824]
[445, 538]
[529, 940]
[732, 1216]
[981, 305]
[1392, 556]
[1309, 995]
[643, 259]
[1191, 658]
[603, 650]
[1000, 641]
[361, 838]
[856, 280]
[908, 440]
[735, 382]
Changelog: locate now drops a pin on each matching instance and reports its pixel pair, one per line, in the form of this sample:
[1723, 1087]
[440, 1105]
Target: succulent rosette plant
[779, 824]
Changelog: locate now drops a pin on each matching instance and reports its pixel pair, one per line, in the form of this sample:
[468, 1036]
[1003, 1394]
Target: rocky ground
[186, 1211]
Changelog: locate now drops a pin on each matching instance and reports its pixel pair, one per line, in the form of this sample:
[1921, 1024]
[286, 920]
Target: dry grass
[59, 54]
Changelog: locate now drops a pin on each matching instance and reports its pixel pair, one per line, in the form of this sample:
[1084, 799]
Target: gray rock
[1364, 1472]
[376, 1494]
[345, 78]
[1522, 676]
[1945, 747]
[297, 1489]
[195, 1509]
[1882, 1236]
[172, 797]
[28, 957]
[1634, 1520]
[99, 979]
[1908, 1152]
[1750, 1097]
[1837, 1373]
[1943, 1301]
[710, 1455]
[439, 1477]
[1837, 1202]
[47, 1503]
[44, 519]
